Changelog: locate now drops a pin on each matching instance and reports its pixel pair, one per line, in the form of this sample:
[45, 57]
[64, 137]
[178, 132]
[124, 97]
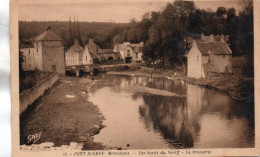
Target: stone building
[45, 54]
[101, 55]
[129, 52]
[210, 54]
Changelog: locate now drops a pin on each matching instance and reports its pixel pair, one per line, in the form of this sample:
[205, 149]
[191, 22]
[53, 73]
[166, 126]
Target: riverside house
[129, 52]
[210, 54]
[101, 55]
[77, 55]
[45, 53]
[73, 55]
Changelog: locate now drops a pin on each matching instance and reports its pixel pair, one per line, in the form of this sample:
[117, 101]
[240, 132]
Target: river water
[150, 113]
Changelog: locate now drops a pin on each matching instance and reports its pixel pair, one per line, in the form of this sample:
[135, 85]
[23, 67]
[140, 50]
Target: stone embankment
[28, 96]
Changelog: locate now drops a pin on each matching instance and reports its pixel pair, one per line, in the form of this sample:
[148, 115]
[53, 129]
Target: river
[156, 113]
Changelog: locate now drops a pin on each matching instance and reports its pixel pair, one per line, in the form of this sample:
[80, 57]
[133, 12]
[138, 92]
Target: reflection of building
[211, 54]
[45, 54]
[129, 52]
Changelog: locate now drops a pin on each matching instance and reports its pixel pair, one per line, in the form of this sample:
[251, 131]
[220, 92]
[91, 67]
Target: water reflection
[205, 118]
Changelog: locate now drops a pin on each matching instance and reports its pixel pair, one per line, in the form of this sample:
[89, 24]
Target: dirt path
[62, 115]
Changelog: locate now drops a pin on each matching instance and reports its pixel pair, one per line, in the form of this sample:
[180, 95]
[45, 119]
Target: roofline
[213, 53]
[49, 40]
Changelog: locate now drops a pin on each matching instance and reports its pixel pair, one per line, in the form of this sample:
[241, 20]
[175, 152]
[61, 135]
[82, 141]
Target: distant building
[73, 55]
[209, 54]
[101, 55]
[129, 52]
[45, 54]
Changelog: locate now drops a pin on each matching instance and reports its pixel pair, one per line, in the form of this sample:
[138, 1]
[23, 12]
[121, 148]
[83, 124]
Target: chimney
[76, 41]
[222, 38]
[193, 42]
[91, 41]
[202, 36]
[211, 38]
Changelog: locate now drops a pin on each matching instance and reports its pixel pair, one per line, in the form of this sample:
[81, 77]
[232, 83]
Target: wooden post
[77, 72]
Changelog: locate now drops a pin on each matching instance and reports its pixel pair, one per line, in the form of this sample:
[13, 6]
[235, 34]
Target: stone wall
[28, 59]
[220, 64]
[27, 97]
[53, 56]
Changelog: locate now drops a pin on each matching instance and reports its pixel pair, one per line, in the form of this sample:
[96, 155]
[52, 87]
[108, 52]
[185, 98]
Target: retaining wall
[27, 97]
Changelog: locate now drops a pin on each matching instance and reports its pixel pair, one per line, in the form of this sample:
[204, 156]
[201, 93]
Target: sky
[118, 12]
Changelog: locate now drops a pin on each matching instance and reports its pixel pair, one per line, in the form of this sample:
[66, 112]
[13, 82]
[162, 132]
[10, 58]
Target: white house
[87, 58]
[210, 54]
[129, 52]
[73, 54]
[77, 55]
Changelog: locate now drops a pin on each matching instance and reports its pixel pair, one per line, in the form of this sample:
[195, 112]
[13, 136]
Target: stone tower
[49, 54]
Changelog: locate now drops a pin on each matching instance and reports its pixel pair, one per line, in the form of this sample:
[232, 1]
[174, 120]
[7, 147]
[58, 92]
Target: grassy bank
[63, 115]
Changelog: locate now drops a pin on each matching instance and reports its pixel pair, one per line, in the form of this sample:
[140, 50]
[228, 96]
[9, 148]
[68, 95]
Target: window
[128, 53]
[136, 55]
[29, 51]
[54, 68]
[86, 58]
[110, 58]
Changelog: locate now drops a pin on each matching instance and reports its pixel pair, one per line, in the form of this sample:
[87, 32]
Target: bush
[31, 79]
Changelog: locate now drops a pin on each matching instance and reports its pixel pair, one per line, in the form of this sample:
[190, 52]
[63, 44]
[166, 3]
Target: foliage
[165, 33]
[21, 60]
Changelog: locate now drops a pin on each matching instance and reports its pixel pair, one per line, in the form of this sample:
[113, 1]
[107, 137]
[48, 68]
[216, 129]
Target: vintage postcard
[135, 78]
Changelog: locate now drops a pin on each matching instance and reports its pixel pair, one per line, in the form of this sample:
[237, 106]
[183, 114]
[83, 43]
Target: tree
[221, 12]
[21, 60]
[232, 30]
[118, 39]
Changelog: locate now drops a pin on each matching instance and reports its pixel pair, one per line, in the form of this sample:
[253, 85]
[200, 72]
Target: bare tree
[246, 5]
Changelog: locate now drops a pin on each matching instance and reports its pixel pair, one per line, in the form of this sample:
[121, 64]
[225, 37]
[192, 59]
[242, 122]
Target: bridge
[93, 68]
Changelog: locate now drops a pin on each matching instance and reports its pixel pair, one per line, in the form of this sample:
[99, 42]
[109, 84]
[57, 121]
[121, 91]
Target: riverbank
[239, 87]
[62, 116]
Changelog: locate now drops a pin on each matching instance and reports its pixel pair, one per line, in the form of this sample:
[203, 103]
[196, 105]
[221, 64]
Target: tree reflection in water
[205, 118]
[179, 119]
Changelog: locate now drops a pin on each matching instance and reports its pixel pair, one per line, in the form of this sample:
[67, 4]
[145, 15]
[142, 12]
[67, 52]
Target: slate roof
[122, 47]
[217, 48]
[94, 56]
[108, 51]
[48, 35]
[75, 48]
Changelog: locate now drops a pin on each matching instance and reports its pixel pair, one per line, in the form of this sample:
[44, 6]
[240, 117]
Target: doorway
[128, 60]
[54, 68]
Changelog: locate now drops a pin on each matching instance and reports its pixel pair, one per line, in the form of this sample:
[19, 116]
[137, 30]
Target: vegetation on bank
[30, 79]
[239, 85]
